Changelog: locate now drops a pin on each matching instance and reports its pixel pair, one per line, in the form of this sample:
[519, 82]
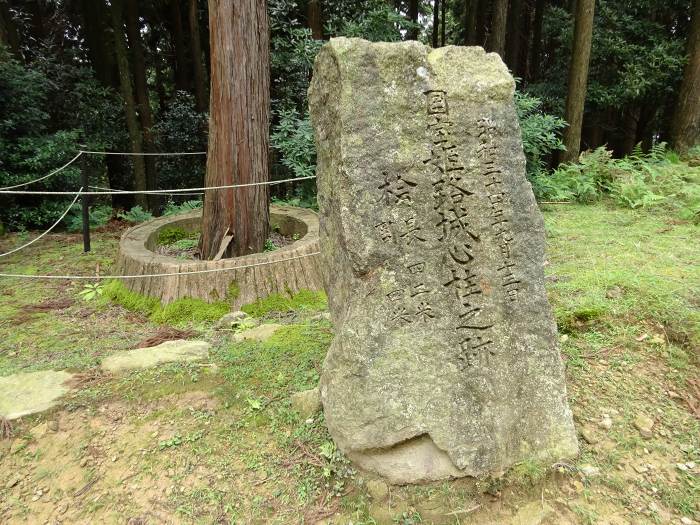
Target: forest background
[132, 76]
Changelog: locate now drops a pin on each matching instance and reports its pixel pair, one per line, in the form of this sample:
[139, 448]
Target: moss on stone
[303, 300]
[172, 234]
[182, 311]
[233, 291]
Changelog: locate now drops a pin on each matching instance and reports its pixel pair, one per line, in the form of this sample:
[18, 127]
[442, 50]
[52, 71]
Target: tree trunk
[129, 103]
[143, 103]
[153, 42]
[200, 79]
[536, 45]
[99, 45]
[443, 16]
[436, 21]
[313, 12]
[630, 123]
[413, 18]
[513, 34]
[471, 7]
[178, 34]
[482, 21]
[578, 78]
[685, 129]
[497, 38]
[8, 31]
[238, 128]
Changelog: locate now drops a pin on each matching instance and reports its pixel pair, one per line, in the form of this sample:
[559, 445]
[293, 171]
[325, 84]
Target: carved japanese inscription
[444, 361]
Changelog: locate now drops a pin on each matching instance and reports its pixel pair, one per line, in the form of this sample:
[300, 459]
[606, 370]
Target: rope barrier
[159, 192]
[71, 161]
[121, 191]
[144, 154]
[103, 277]
[47, 231]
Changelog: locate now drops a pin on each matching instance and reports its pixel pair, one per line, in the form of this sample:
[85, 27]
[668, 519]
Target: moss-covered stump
[279, 271]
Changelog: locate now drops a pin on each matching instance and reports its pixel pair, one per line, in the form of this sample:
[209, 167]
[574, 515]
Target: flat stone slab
[32, 392]
[168, 352]
[259, 333]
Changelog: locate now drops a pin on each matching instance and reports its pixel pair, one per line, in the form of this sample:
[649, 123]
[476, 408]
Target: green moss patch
[304, 300]
[180, 312]
[173, 234]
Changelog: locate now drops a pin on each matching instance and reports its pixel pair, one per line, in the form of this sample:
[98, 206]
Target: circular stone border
[237, 286]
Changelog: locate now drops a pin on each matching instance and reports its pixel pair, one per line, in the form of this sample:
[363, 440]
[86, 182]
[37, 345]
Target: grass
[220, 441]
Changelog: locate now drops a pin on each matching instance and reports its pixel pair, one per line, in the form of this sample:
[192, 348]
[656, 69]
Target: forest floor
[191, 443]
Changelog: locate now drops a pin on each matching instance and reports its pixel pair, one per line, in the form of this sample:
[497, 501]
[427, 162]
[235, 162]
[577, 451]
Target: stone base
[277, 271]
[31, 393]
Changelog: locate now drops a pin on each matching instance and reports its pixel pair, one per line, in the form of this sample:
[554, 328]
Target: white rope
[121, 191]
[159, 192]
[71, 161]
[47, 231]
[144, 154]
[102, 277]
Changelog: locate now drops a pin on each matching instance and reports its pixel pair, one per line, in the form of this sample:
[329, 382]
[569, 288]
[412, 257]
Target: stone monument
[445, 359]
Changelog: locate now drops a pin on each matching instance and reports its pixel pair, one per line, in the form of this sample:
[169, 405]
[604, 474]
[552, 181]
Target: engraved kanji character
[395, 295]
[416, 268]
[464, 282]
[384, 229]
[470, 311]
[461, 252]
[512, 294]
[412, 232]
[401, 315]
[419, 289]
[395, 189]
[437, 102]
[424, 312]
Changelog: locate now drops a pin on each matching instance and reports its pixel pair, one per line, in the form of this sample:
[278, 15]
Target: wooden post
[85, 202]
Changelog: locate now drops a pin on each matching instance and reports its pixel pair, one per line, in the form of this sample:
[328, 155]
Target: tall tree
[499, 24]
[536, 46]
[514, 35]
[443, 16]
[413, 18]
[471, 8]
[132, 123]
[200, 76]
[578, 78]
[313, 13]
[143, 103]
[238, 129]
[436, 21]
[8, 31]
[178, 36]
[685, 130]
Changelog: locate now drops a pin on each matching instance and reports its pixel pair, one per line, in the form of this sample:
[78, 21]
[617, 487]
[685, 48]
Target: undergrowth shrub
[657, 179]
[99, 216]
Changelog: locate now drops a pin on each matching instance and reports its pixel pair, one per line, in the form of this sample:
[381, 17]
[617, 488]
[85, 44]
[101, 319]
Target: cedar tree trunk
[685, 129]
[238, 128]
[200, 77]
[471, 7]
[578, 78]
[537, 40]
[143, 104]
[313, 12]
[499, 23]
[436, 21]
[129, 103]
[413, 17]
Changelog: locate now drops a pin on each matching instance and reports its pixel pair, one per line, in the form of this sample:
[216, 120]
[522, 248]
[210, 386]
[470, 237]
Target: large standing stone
[445, 360]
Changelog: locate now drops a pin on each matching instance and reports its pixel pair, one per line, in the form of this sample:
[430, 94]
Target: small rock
[35, 498]
[234, 320]
[644, 424]
[614, 293]
[307, 403]
[83, 461]
[377, 489]
[641, 469]
[53, 426]
[682, 466]
[686, 447]
[13, 481]
[589, 436]
[590, 471]
[606, 423]
[260, 333]
[673, 395]
[533, 513]
[691, 465]
[687, 521]
[39, 431]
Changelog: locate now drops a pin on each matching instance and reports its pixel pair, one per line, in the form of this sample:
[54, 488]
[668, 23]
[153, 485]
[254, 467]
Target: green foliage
[91, 291]
[172, 208]
[293, 138]
[379, 22]
[304, 300]
[654, 180]
[185, 244]
[172, 234]
[99, 216]
[181, 312]
[135, 215]
[541, 132]
[270, 246]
